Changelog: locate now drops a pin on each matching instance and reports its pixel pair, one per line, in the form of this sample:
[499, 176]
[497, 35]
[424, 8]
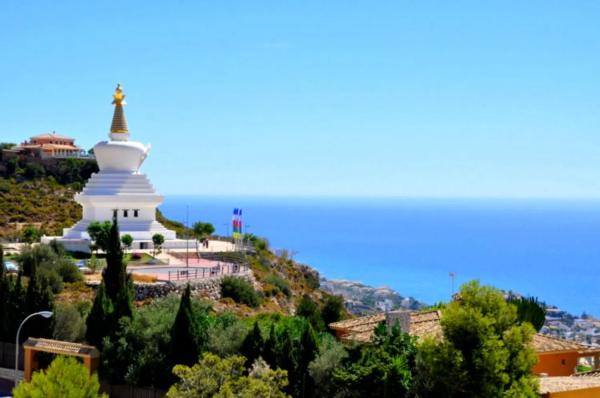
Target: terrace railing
[207, 272]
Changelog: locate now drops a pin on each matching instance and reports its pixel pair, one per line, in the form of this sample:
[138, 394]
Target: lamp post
[45, 314]
[246, 227]
[452, 275]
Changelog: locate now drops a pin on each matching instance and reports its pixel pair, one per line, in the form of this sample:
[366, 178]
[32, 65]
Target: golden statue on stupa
[119, 124]
[118, 96]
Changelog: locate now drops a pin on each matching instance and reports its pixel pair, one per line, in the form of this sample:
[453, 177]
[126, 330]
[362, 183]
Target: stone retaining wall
[208, 288]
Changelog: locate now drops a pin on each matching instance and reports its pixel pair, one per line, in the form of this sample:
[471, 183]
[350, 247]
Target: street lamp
[45, 314]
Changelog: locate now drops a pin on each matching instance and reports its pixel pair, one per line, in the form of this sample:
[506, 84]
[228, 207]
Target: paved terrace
[188, 266]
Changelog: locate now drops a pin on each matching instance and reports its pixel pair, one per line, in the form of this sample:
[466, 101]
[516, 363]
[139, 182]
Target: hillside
[40, 194]
[43, 203]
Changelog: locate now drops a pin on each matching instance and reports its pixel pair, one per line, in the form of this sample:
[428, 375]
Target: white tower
[119, 188]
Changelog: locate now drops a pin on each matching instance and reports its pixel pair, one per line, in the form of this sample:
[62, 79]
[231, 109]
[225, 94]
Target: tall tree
[184, 343]
[252, 345]
[270, 348]
[287, 359]
[100, 320]
[486, 351]
[16, 306]
[99, 233]
[307, 352]
[37, 298]
[332, 310]
[116, 280]
[529, 309]
[307, 308]
[4, 298]
[114, 295]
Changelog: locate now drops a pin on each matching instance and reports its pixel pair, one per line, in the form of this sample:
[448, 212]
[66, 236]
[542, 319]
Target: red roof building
[50, 145]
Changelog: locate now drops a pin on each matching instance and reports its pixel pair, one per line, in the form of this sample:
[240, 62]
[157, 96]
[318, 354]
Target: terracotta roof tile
[53, 135]
[543, 343]
[427, 324]
[567, 383]
[422, 324]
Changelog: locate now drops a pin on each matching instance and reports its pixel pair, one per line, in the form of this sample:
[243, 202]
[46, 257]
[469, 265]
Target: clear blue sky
[348, 98]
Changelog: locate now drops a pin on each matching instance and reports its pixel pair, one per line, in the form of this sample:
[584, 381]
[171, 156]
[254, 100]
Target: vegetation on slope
[42, 202]
[40, 192]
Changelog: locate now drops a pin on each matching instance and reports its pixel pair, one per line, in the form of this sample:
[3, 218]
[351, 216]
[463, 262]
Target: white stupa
[119, 188]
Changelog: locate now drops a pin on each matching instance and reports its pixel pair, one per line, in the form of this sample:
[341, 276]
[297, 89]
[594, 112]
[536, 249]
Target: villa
[48, 146]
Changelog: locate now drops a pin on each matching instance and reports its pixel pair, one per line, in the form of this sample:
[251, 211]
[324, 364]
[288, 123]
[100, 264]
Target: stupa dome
[120, 154]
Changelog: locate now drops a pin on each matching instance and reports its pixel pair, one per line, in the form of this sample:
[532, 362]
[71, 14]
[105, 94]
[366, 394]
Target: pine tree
[100, 321]
[252, 345]
[184, 343]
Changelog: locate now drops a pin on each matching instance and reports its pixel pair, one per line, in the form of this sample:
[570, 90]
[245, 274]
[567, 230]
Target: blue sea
[545, 248]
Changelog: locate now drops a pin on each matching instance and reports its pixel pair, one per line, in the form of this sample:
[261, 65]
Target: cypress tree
[100, 321]
[4, 299]
[269, 352]
[287, 360]
[114, 296]
[252, 345]
[38, 297]
[307, 352]
[115, 275]
[16, 306]
[184, 343]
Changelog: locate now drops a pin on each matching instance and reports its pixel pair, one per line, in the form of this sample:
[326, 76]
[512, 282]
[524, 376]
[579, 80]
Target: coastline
[412, 246]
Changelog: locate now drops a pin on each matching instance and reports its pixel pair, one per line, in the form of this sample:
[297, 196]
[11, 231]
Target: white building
[119, 189]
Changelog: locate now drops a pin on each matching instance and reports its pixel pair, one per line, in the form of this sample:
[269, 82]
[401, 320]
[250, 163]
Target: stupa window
[125, 213]
[136, 213]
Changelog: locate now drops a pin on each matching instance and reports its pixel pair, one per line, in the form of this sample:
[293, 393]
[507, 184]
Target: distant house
[557, 358]
[48, 146]
[418, 324]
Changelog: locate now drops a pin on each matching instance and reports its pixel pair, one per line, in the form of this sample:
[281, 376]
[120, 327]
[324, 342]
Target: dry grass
[144, 278]
[76, 292]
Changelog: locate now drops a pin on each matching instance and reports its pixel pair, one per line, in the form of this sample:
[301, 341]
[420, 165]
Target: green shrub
[279, 284]
[51, 278]
[64, 378]
[225, 335]
[239, 290]
[69, 325]
[68, 271]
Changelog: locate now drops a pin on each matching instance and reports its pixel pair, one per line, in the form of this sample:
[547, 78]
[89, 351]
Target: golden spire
[119, 124]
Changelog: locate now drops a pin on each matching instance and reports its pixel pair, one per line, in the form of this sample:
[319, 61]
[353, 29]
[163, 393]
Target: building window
[136, 213]
[125, 213]
[115, 213]
[562, 362]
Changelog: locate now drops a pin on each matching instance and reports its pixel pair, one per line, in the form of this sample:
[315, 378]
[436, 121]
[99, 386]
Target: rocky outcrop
[361, 299]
